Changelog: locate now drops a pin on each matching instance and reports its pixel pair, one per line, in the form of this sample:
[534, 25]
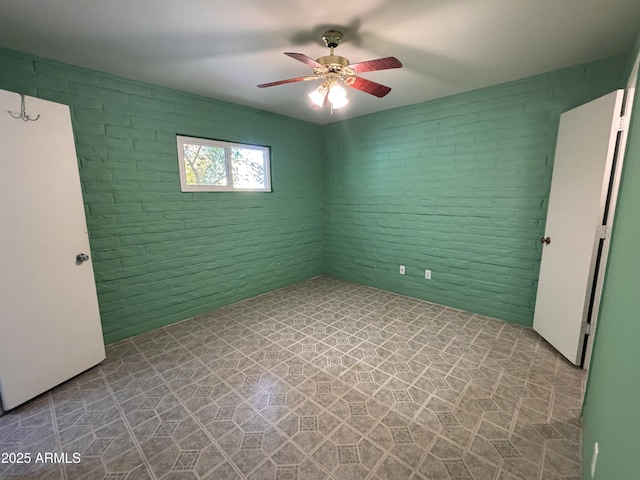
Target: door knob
[545, 240]
[82, 257]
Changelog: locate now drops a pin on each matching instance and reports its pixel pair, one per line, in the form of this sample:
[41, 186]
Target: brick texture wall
[458, 185]
[161, 255]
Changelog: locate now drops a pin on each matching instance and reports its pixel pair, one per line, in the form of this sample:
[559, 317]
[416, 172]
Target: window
[212, 165]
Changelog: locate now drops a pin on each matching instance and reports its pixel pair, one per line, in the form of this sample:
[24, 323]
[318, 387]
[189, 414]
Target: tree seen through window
[215, 165]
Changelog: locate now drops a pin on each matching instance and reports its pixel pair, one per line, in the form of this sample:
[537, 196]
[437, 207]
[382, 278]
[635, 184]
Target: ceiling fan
[334, 70]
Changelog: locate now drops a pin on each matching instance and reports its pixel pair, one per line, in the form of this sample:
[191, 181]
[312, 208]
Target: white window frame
[182, 140]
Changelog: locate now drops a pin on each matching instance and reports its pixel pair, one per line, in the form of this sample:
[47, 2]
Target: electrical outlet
[594, 459]
[401, 269]
[427, 274]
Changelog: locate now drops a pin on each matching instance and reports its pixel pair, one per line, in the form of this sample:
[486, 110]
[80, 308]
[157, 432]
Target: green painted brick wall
[458, 185]
[160, 255]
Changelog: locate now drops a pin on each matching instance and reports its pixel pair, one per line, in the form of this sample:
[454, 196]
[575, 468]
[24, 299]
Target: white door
[579, 187]
[49, 320]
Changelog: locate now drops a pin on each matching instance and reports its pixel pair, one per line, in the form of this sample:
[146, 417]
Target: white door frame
[616, 176]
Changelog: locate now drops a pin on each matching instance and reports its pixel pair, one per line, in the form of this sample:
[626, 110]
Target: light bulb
[336, 91]
[339, 102]
[318, 95]
[337, 96]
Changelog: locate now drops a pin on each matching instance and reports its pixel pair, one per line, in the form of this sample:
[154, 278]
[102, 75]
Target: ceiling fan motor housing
[329, 60]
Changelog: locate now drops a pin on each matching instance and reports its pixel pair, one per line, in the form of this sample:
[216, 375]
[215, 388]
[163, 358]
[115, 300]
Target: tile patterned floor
[320, 380]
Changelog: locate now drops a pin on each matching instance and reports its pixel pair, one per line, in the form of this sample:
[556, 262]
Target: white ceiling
[224, 48]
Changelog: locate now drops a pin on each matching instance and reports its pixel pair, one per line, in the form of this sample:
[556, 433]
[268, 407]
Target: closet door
[50, 324]
[574, 231]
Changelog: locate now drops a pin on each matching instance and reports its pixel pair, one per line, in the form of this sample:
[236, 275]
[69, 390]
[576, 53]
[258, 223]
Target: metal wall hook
[23, 112]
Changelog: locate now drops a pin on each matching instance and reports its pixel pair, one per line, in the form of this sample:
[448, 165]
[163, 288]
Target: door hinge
[586, 328]
[605, 232]
[621, 123]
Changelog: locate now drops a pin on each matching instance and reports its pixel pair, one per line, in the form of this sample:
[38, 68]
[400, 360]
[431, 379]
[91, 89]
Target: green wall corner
[457, 185]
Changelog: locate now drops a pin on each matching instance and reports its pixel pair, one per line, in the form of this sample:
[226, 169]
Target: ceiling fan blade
[301, 57]
[370, 87]
[283, 82]
[385, 63]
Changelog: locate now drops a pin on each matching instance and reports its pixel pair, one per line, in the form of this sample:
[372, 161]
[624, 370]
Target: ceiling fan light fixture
[318, 95]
